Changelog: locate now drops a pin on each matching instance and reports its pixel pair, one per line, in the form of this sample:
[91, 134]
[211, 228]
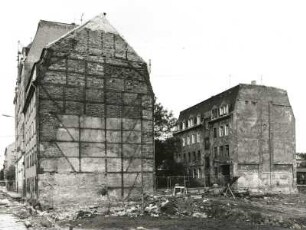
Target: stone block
[95, 95]
[96, 110]
[113, 150]
[132, 165]
[93, 165]
[113, 98]
[113, 111]
[57, 64]
[131, 150]
[116, 84]
[131, 137]
[67, 134]
[92, 122]
[54, 77]
[51, 92]
[94, 82]
[114, 179]
[59, 165]
[92, 135]
[131, 99]
[113, 123]
[147, 114]
[69, 121]
[131, 112]
[92, 149]
[51, 106]
[114, 165]
[113, 136]
[76, 79]
[95, 68]
[131, 124]
[76, 66]
[73, 107]
[74, 93]
[147, 137]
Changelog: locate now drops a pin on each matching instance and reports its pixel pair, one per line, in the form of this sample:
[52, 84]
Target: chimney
[253, 82]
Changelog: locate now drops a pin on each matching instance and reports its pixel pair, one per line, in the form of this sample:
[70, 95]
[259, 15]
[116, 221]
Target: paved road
[9, 222]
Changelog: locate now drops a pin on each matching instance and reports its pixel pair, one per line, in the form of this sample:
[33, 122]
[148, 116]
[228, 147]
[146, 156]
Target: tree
[165, 145]
[1, 174]
[164, 121]
[10, 175]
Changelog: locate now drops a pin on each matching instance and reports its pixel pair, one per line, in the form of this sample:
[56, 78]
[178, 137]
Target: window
[188, 140]
[198, 137]
[191, 122]
[183, 141]
[227, 150]
[207, 163]
[189, 157]
[194, 156]
[214, 113]
[226, 129]
[206, 124]
[199, 156]
[183, 125]
[199, 173]
[199, 119]
[195, 173]
[221, 151]
[215, 132]
[221, 131]
[192, 139]
[184, 156]
[223, 110]
[216, 152]
[195, 121]
[206, 142]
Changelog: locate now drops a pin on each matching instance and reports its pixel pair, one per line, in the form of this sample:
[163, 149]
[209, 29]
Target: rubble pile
[276, 210]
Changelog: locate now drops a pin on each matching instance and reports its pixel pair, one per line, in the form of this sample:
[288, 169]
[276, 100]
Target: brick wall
[95, 121]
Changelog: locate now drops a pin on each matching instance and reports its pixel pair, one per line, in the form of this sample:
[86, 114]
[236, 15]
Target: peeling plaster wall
[95, 121]
[265, 134]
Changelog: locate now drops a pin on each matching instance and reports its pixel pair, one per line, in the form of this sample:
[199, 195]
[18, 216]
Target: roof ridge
[206, 100]
[56, 22]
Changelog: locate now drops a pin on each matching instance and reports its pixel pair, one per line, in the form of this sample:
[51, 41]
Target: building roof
[238, 92]
[98, 23]
[227, 97]
[46, 32]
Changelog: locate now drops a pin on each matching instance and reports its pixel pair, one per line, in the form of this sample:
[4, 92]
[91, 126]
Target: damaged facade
[248, 132]
[84, 116]
[9, 158]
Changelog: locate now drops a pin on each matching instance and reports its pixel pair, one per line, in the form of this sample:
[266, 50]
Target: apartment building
[247, 131]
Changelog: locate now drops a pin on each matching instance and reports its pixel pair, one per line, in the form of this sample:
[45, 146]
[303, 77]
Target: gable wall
[96, 122]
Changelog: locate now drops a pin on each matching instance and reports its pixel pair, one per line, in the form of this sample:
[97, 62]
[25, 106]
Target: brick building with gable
[84, 116]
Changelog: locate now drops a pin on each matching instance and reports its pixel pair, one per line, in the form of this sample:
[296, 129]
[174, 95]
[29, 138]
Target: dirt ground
[197, 212]
[163, 211]
[180, 223]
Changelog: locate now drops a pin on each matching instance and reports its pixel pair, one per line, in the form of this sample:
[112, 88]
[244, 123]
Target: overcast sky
[198, 48]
